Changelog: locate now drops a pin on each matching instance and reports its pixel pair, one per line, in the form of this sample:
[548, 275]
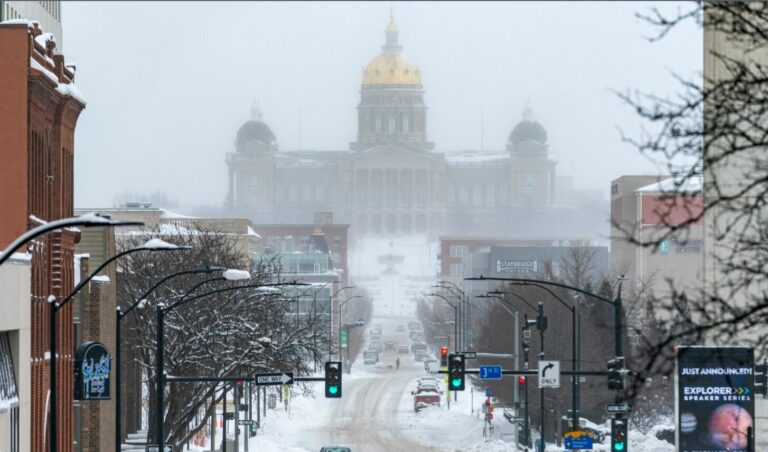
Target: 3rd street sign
[283, 378]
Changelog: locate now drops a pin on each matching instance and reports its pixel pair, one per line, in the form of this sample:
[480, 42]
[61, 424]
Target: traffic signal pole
[542, 327]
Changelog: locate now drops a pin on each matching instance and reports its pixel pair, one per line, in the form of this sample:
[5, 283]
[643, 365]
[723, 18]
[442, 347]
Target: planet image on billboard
[688, 422]
[728, 426]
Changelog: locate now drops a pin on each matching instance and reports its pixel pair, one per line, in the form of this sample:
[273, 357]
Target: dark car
[335, 449]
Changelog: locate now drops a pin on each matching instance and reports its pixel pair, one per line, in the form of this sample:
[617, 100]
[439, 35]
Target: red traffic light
[443, 351]
[521, 380]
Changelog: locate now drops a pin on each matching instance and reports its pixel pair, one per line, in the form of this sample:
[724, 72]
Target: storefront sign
[92, 366]
[715, 407]
[516, 266]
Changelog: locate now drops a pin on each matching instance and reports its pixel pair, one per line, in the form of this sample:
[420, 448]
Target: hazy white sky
[168, 84]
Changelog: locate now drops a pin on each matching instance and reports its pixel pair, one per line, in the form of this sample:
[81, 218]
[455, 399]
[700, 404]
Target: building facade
[644, 209]
[15, 358]
[40, 105]
[392, 180]
[46, 13]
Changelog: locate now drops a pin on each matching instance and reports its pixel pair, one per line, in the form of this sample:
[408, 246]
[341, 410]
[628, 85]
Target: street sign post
[549, 374]
[490, 372]
[618, 408]
[248, 422]
[469, 355]
[282, 378]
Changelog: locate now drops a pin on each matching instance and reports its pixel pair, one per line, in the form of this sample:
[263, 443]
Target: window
[406, 124]
[463, 195]
[451, 195]
[490, 195]
[336, 240]
[392, 124]
[377, 124]
[459, 250]
[293, 194]
[456, 269]
[477, 195]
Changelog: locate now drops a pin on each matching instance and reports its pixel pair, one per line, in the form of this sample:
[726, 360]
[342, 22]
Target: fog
[169, 84]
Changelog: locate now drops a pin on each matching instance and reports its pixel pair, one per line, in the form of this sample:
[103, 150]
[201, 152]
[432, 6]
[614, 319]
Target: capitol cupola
[391, 109]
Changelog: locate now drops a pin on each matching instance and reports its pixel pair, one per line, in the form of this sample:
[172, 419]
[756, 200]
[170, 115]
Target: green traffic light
[618, 446]
[456, 382]
[333, 389]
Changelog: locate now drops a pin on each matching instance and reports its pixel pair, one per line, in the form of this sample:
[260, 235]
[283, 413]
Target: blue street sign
[490, 372]
[577, 440]
[488, 393]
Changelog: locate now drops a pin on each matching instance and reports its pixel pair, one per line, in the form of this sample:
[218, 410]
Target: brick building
[644, 208]
[39, 107]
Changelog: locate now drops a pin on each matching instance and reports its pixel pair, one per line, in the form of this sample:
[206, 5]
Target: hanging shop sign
[92, 366]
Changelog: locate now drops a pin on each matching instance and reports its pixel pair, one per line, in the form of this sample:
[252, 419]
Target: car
[335, 449]
[390, 345]
[414, 325]
[403, 349]
[376, 346]
[425, 397]
[370, 357]
[375, 335]
[429, 382]
[431, 378]
[418, 347]
[416, 336]
[400, 329]
[422, 356]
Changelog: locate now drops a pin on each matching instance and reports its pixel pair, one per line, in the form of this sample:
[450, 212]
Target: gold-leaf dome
[391, 69]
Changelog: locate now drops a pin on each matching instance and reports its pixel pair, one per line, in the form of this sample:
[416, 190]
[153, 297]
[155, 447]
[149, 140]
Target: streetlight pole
[333, 296]
[455, 317]
[152, 245]
[87, 220]
[140, 302]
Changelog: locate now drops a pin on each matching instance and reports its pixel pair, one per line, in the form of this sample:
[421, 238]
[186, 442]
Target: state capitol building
[392, 180]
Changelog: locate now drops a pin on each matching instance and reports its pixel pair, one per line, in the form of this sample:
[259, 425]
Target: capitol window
[406, 124]
[392, 124]
[377, 124]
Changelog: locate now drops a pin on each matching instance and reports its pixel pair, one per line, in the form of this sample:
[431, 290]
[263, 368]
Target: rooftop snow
[691, 184]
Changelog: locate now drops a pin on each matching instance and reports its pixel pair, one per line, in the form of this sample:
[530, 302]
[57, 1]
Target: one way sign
[549, 374]
[285, 378]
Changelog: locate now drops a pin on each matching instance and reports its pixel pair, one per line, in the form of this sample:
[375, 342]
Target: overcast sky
[169, 84]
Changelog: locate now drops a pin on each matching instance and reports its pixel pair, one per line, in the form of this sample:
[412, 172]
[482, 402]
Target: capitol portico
[392, 179]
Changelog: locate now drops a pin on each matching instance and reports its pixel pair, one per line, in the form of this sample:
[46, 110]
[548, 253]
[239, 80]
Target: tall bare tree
[714, 129]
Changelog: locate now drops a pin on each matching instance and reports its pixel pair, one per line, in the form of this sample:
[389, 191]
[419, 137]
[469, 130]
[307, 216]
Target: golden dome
[391, 69]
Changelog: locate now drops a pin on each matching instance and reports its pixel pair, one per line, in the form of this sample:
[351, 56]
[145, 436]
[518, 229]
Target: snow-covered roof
[100, 279]
[172, 215]
[692, 184]
[29, 23]
[474, 157]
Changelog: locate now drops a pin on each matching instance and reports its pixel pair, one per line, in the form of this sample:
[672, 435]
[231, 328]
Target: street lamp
[120, 315]
[455, 317]
[87, 220]
[152, 245]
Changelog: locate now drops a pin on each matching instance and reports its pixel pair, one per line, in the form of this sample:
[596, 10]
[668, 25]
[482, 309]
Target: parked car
[390, 345]
[376, 346]
[400, 329]
[429, 379]
[403, 349]
[424, 397]
[335, 449]
[421, 356]
[370, 357]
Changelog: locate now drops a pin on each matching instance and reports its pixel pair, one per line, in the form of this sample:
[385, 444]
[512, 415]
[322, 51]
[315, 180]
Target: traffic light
[443, 356]
[615, 377]
[333, 379]
[761, 379]
[456, 372]
[619, 435]
[521, 380]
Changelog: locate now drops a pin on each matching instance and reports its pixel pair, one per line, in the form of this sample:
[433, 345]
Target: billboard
[714, 400]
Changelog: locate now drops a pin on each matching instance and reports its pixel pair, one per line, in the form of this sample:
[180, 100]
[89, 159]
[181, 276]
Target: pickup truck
[424, 397]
